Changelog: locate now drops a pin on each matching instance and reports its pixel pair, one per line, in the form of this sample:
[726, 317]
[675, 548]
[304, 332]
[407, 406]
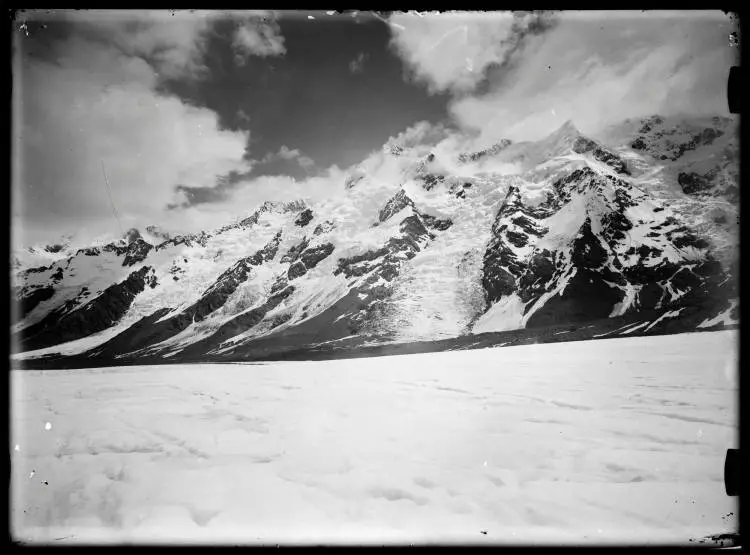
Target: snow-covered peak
[418, 245]
[565, 133]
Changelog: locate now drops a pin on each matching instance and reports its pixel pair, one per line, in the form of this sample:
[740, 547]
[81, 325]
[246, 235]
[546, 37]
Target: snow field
[617, 440]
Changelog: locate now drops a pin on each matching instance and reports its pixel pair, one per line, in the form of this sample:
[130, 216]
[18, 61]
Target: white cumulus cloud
[96, 102]
[451, 51]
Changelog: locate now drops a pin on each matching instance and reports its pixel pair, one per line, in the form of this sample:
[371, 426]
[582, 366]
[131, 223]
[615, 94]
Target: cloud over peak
[521, 75]
[452, 51]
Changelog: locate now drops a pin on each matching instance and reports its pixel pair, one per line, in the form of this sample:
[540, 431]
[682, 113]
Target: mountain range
[631, 232]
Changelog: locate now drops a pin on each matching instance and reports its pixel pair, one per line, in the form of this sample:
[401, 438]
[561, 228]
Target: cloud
[257, 35]
[358, 63]
[171, 42]
[599, 69]
[248, 194]
[285, 153]
[96, 102]
[420, 133]
[243, 117]
[452, 51]
[521, 75]
[223, 187]
[175, 41]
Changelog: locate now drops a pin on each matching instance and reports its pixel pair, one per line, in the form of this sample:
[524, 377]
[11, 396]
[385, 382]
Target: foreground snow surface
[615, 440]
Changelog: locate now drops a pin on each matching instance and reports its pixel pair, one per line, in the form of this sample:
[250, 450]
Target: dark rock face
[615, 225]
[211, 300]
[705, 137]
[429, 181]
[131, 235]
[295, 250]
[460, 190]
[89, 251]
[54, 248]
[517, 239]
[587, 251]
[352, 180]
[296, 270]
[491, 151]
[324, 227]
[304, 218]
[400, 201]
[311, 257]
[216, 296]
[37, 270]
[576, 180]
[692, 183]
[395, 150]
[535, 279]
[30, 298]
[682, 237]
[667, 144]
[240, 323]
[67, 323]
[397, 203]
[612, 160]
[353, 267]
[137, 251]
[650, 296]
[501, 267]
[642, 274]
[366, 302]
[500, 270]
[187, 240]
[435, 223]
[649, 122]
[308, 259]
[586, 297]
[588, 276]
[499, 282]
[582, 144]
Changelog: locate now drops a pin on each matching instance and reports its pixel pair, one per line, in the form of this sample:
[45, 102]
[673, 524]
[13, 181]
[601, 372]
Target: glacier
[612, 441]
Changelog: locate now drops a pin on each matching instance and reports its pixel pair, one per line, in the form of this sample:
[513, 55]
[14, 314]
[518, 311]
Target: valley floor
[607, 441]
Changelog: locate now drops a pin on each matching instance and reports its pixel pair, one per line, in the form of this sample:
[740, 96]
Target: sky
[189, 120]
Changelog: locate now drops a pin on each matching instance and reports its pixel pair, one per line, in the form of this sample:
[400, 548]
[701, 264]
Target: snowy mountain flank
[570, 237]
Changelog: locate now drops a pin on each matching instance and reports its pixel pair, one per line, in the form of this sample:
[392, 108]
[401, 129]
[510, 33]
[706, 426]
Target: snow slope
[607, 441]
